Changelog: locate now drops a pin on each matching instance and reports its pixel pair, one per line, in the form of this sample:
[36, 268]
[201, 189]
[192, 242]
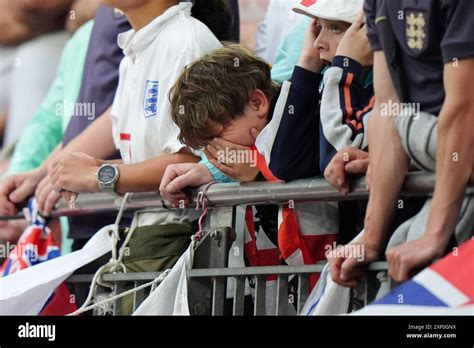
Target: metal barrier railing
[211, 272]
[283, 273]
[119, 280]
[233, 194]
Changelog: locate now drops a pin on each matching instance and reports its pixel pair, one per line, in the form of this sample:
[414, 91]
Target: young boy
[293, 118]
[338, 60]
[300, 97]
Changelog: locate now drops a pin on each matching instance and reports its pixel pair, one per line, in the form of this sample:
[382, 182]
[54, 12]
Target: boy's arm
[345, 107]
[346, 102]
[295, 149]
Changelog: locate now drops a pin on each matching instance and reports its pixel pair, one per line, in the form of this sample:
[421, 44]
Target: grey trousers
[419, 138]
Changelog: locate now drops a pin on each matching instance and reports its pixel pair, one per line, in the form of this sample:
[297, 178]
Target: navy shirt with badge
[429, 33]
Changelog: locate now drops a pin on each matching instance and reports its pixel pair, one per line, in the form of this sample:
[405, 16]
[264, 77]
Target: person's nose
[321, 42]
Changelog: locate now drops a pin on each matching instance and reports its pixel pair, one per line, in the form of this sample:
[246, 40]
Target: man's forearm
[146, 176]
[388, 160]
[454, 159]
[454, 163]
[116, 161]
[388, 166]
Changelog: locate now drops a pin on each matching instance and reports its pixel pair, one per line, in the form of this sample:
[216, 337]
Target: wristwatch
[107, 176]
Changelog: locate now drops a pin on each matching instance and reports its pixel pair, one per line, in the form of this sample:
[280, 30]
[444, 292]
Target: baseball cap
[333, 10]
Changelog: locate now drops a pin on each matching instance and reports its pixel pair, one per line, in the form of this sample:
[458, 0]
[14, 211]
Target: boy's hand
[179, 176]
[75, 173]
[309, 58]
[355, 43]
[347, 161]
[236, 161]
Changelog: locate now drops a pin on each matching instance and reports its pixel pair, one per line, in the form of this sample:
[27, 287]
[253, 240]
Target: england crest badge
[416, 36]
[150, 100]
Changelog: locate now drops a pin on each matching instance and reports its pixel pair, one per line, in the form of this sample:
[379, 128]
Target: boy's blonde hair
[214, 90]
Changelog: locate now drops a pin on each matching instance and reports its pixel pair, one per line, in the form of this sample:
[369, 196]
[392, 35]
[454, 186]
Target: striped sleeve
[345, 106]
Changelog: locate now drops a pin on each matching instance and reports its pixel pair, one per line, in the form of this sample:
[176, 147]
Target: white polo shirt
[154, 58]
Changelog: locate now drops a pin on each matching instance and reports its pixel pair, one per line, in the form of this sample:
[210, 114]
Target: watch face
[106, 174]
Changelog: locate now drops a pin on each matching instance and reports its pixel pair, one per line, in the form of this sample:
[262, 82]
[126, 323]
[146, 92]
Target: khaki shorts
[154, 249]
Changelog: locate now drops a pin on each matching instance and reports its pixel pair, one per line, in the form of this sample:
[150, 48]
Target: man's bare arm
[76, 173]
[387, 156]
[146, 176]
[389, 162]
[454, 157]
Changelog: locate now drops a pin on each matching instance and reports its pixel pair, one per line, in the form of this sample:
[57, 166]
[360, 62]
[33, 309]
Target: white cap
[333, 10]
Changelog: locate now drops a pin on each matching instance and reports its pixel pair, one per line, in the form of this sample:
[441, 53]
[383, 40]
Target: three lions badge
[150, 100]
[416, 31]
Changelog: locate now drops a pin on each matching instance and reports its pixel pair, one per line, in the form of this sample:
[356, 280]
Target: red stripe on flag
[251, 246]
[458, 268]
[317, 244]
[290, 238]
